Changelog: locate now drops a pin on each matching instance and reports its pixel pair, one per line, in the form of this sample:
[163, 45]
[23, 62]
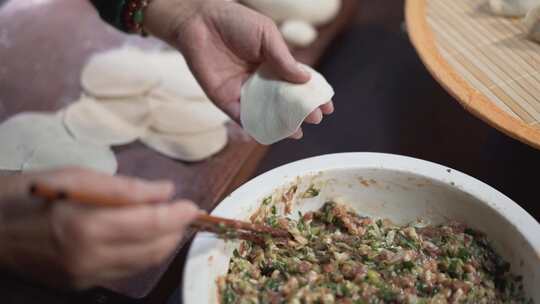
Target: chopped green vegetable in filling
[338, 256]
[311, 192]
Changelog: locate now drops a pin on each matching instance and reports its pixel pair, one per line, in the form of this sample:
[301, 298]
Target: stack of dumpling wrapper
[129, 95]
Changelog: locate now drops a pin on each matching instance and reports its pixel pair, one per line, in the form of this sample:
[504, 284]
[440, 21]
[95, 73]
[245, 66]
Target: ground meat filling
[338, 256]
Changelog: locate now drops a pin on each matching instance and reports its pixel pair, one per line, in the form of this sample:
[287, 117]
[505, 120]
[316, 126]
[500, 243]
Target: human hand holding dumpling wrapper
[273, 109]
[223, 51]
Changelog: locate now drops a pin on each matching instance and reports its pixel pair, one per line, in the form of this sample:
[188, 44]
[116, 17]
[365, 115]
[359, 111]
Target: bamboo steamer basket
[485, 61]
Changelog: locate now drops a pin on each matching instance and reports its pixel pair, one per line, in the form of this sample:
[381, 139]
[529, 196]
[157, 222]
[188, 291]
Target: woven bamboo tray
[483, 60]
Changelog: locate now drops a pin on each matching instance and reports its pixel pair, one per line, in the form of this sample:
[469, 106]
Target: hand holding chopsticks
[68, 244]
[204, 222]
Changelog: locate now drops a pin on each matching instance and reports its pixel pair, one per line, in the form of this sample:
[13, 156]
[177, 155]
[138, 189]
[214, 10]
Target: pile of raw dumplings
[527, 9]
[297, 19]
[128, 95]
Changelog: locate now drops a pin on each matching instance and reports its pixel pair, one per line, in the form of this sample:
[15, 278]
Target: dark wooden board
[43, 47]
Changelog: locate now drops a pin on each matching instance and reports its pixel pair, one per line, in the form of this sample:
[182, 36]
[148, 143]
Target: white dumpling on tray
[21, 134]
[273, 109]
[118, 73]
[512, 8]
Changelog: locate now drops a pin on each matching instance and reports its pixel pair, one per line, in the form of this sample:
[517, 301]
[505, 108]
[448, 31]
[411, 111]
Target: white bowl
[380, 185]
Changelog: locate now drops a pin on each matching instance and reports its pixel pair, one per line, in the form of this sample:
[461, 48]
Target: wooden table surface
[43, 47]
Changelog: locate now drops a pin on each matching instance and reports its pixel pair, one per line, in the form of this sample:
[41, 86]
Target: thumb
[278, 56]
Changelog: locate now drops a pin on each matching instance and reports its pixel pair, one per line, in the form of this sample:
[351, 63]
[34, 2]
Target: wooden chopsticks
[222, 226]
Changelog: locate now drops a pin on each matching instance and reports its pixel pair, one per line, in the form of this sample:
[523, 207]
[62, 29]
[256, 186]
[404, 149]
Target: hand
[67, 244]
[224, 43]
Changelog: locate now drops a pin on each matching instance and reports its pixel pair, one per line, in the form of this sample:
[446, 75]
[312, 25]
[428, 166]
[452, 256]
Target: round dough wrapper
[21, 134]
[60, 113]
[532, 22]
[298, 33]
[272, 109]
[118, 73]
[186, 117]
[191, 147]
[316, 12]
[89, 121]
[177, 81]
[134, 110]
[58, 154]
[512, 8]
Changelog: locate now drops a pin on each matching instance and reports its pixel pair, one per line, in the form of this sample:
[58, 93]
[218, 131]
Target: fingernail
[303, 69]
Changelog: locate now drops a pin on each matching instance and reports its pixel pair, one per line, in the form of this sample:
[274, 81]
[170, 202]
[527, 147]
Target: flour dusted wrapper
[186, 117]
[273, 109]
[136, 111]
[187, 147]
[118, 73]
[91, 122]
[59, 154]
[21, 134]
[177, 81]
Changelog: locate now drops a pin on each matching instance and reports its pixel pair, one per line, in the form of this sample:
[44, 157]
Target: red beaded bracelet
[133, 16]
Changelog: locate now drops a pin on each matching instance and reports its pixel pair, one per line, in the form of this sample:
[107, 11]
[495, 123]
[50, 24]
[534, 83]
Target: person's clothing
[111, 11]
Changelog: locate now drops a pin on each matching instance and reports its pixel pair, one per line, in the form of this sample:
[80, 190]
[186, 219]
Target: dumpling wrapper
[298, 33]
[512, 8]
[191, 147]
[316, 12]
[91, 122]
[58, 154]
[532, 22]
[272, 109]
[177, 81]
[21, 134]
[186, 117]
[134, 110]
[118, 73]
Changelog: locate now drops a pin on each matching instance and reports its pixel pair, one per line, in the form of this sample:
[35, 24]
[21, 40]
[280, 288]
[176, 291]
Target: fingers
[142, 223]
[122, 260]
[133, 257]
[131, 189]
[327, 108]
[277, 53]
[298, 134]
[96, 244]
[314, 117]
[232, 109]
